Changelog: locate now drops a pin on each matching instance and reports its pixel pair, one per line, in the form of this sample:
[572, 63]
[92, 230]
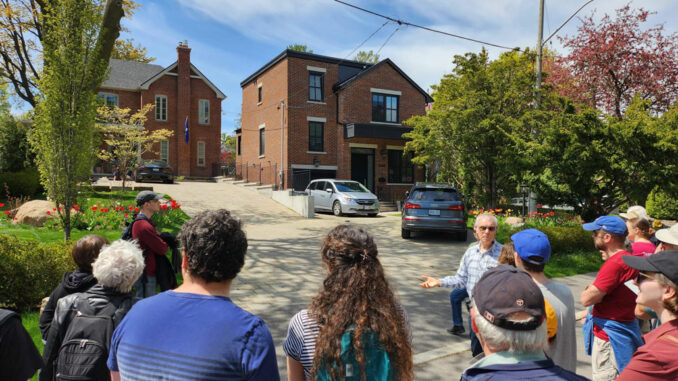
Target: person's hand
[429, 282]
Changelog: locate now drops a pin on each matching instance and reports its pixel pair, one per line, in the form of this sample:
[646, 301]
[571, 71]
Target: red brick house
[181, 94]
[340, 119]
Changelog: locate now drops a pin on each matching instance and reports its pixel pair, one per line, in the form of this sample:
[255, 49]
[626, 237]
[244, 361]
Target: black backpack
[127, 232]
[84, 349]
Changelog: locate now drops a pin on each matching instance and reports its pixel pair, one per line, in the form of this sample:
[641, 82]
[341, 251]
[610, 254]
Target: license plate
[363, 207]
[434, 212]
[156, 169]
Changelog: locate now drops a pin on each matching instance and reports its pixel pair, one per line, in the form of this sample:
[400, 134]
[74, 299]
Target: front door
[362, 166]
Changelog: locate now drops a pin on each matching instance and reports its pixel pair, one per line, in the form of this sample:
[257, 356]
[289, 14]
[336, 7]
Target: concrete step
[250, 184]
[270, 186]
[388, 206]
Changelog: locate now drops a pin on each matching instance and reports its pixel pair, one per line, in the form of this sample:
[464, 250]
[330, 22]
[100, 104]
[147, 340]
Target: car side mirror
[407, 193]
[329, 190]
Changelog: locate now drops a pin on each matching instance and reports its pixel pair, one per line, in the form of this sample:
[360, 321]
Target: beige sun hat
[668, 235]
[635, 211]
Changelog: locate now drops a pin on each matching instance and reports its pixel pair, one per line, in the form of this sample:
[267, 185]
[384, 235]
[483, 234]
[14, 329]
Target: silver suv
[343, 197]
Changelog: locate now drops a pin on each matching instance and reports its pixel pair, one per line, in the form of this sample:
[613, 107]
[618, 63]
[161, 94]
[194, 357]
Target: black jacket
[76, 281]
[98, 297]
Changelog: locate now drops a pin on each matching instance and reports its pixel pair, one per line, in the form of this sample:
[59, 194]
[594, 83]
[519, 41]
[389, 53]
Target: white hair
[119, 265]
[489, 216]
[501, 339]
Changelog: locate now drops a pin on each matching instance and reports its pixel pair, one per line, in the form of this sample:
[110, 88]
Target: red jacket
[144, 232]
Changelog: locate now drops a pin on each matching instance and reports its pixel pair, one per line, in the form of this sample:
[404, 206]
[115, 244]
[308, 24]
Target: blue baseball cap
[532, 246]
[610, 224]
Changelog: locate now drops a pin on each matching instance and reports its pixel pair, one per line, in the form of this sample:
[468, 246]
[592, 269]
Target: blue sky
[231, 39]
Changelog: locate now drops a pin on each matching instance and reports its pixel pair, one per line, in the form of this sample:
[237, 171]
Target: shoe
[456, 330]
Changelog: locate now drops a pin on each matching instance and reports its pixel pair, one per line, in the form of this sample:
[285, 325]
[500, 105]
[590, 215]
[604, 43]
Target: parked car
[154, 170]
[434, 207]
[343, 197]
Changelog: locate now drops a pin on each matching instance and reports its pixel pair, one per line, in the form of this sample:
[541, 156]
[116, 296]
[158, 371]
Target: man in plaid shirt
[477, 259]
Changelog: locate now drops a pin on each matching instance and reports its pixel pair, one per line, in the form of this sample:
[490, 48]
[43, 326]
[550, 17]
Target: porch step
[387, 206]
[250, 184]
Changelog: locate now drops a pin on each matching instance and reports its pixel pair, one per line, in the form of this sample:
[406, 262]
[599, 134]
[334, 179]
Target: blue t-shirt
[181, 336]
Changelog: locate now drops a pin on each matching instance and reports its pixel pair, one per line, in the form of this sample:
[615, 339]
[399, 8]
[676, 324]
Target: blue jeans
[457, 296]
[144, 291]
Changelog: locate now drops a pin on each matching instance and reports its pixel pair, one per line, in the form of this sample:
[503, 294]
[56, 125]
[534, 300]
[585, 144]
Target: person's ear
[474, 327]
[184, 261]
[669, 293]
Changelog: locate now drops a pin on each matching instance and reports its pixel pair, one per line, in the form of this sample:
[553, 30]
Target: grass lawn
[578, 262]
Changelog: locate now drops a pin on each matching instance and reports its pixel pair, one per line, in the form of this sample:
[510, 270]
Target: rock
[34, 213]
[513, 220]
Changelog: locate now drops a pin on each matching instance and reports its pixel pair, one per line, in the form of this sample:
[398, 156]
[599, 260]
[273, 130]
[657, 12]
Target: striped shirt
[302, 334]
[473, 265]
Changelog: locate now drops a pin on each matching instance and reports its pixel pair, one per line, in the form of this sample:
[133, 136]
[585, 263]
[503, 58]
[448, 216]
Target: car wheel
[405, 233]
[168, 181]
[336, 208]
[137, 180]
[461, 236]
[373, 214]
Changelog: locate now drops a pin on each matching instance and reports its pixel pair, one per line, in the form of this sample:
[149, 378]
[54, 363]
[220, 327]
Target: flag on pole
[186, 130]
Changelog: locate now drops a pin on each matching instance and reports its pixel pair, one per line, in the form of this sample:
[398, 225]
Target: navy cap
[532, 246]
[664, 262]
[504, 290]
[610, 224]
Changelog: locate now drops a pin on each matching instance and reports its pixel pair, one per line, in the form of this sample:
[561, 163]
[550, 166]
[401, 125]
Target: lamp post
[524, 189]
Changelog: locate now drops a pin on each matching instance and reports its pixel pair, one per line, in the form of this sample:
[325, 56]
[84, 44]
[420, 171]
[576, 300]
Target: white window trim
[200, 102]
[316, 102]
[204, 148]
[386, 123]
[387, 92]
[317, 152]
[311, 166]
[168, 149]
[396, 148]
[166, 107]
[316, 119]
[362, 145]
[316, 68]
[105, 94]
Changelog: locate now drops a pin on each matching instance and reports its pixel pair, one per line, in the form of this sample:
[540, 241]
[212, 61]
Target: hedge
[22, 183]
[564, 239]
[30, 270]
[662, 205]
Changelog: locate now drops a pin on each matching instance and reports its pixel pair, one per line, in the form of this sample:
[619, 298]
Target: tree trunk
[67, 223]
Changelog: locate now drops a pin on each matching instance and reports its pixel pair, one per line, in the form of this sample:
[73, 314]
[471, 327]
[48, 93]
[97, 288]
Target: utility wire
[370, 36]
[387, 39]
[402, 22]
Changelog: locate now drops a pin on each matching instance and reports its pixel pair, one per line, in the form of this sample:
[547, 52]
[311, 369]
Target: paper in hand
[632, 286]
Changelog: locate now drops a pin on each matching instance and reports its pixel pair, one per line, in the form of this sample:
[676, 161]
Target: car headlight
[347, 199]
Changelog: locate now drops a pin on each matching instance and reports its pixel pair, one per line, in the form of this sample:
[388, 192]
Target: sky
[231, 39]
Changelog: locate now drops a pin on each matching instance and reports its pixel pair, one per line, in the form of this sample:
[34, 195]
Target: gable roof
[395, 67]
[128, 75]
[168, 70]
[307, 56]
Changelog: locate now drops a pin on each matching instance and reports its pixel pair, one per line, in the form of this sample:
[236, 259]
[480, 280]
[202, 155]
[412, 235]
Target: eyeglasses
[490, 228]
[643, 277]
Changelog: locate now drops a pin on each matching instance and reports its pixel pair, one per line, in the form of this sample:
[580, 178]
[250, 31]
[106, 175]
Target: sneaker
[456, 330]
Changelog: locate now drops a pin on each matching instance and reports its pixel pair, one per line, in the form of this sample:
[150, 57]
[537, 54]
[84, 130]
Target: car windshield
[435, 195]
[350, 186]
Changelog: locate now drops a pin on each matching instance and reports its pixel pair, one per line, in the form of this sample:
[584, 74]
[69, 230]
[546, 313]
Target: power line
[370, 36]
[387, 39]
[402, 22]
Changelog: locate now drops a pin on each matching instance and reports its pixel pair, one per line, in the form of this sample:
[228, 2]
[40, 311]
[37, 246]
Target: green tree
[367, 57]
[126, 50]
[77, 40]
[125, 136]
[299, 48]
[474, 132]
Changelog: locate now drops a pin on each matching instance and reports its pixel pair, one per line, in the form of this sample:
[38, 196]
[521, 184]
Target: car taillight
[456, 207]
[409, 205]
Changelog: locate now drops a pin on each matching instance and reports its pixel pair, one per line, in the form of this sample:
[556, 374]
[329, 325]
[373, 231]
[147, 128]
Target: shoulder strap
[84, 307]
[6, 315]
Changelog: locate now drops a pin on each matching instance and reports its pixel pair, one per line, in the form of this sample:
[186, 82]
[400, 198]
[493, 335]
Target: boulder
[34, 213]
[513, 220]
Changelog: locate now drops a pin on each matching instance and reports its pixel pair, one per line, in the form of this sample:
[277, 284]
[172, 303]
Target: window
[315, 86]
[400, 167]
[160, 107]
[203, 111]
[385, 108]
[316, 132]
[164, 150]
[238, 146]
[262, 141]
[259, 97]
[201, 154]
[109, 99]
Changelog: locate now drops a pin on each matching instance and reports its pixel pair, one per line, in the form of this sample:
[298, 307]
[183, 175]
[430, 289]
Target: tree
[367, 57]
[299, 48]
[612, 61]
[227, 154]
[475, 122]
[22, 31]
[125, 50]
[125, 136]
[77, 40]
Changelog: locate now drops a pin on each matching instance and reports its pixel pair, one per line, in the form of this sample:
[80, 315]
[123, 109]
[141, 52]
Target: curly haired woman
[355, 298]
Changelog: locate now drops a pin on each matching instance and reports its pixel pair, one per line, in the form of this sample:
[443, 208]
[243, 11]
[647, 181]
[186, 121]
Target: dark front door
[362, 166]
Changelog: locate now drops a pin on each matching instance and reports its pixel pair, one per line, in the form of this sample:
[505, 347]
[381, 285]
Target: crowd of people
[105, 321]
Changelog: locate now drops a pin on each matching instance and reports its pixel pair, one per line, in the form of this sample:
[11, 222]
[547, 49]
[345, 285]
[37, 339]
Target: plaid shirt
[473, 265]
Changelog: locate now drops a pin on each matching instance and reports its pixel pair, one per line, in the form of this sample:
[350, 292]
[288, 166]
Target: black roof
[303, 55]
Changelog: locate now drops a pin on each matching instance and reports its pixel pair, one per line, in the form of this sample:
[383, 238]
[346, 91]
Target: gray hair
[499, 339]
[489, 216]
[119, 265]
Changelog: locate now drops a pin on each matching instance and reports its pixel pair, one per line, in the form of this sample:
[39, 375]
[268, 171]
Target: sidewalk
[448, 362]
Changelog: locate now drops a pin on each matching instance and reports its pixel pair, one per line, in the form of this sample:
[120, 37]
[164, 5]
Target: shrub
[22, 183]
[662, 205]
[29, 270]
[564, 239]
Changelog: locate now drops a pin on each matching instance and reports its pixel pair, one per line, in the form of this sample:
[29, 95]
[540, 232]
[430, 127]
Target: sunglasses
[643, 277]
[490, 228]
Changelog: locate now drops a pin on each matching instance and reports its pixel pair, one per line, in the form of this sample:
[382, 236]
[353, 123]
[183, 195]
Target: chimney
[184, 58]
[183, 107]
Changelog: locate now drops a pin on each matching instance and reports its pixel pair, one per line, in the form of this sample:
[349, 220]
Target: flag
[186, 130]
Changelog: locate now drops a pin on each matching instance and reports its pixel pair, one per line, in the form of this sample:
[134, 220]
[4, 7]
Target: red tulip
[48, 212]
[76, 207]
[15, 218]
[95, 207]
[538, 205]
[7, 212]
[1, 205]
[126, 214]
[164, 207]
[136, 209]
[131, 208]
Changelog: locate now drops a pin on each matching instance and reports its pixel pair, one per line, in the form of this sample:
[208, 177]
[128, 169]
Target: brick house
[340, 119]
[181, 94]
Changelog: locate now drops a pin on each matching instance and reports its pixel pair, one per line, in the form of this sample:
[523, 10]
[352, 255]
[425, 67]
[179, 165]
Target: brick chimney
[184, 150]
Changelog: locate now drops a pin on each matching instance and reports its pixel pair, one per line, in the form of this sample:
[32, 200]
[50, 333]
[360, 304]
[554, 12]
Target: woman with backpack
[79, 337]
[353, 329]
